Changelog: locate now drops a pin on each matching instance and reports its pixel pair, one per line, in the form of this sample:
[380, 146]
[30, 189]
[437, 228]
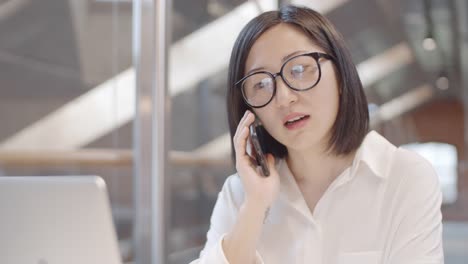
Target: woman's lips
[298, 123]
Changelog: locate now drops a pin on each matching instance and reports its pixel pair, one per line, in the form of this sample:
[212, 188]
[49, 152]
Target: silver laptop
[56, 220]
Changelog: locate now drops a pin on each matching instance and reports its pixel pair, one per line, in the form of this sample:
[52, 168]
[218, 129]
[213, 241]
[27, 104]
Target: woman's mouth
[296, 122]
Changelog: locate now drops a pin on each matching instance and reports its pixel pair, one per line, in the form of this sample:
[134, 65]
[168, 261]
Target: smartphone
[258, 151]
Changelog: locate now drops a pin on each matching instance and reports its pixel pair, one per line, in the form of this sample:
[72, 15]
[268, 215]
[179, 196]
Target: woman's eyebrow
[282, 60]
[254, 70]
[292, 54]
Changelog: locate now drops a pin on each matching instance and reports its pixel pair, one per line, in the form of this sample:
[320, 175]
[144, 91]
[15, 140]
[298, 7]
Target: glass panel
[65, 100]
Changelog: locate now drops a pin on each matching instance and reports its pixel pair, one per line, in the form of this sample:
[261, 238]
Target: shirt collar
[376, 153]
[289, 191]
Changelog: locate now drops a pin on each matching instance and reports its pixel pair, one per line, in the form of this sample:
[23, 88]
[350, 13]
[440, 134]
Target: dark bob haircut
[352, 122]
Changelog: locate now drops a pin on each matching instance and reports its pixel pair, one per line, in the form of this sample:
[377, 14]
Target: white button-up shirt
[384, 208]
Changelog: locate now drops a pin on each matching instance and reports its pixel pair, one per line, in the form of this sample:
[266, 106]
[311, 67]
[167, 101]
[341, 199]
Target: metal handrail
[100, 157]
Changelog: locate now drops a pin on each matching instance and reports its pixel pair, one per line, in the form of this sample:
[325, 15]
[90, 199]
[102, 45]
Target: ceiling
[52, 51]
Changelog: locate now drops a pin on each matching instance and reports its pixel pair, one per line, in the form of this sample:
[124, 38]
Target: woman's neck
[317, 167]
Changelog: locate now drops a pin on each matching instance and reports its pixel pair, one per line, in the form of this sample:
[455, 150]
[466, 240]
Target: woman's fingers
[242, 133]
[241, 122]
[241, 143]
[249, 148]
[243, 160]
[271, 162]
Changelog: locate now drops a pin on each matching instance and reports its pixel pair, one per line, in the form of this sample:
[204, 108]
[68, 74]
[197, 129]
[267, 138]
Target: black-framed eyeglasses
[300, 73]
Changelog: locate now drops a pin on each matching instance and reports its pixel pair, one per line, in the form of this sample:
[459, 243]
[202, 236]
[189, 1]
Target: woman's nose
[284, 95]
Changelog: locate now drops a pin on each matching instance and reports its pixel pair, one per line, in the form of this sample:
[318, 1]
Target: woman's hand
[260, 191]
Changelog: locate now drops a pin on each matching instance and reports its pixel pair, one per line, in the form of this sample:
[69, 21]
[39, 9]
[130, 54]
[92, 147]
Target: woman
[336, 193]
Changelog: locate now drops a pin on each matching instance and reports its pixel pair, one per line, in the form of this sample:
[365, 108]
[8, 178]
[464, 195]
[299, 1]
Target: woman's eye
[259, 85]
[262, 84]
[298, 69]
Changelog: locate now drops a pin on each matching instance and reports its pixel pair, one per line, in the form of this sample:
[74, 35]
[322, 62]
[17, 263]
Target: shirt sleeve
[223, 218]
[417, 232]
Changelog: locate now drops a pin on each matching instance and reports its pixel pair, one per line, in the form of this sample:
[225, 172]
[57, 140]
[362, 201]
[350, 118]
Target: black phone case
[259, 155]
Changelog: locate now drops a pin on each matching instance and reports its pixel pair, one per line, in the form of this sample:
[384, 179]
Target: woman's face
[317, 107]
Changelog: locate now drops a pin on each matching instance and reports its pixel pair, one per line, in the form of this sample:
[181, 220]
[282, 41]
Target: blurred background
[70, 76]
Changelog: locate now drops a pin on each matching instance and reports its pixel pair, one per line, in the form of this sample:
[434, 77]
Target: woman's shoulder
[412, 172]
[408, 157]
[393, 162]
[407, 161]
[404, 169]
